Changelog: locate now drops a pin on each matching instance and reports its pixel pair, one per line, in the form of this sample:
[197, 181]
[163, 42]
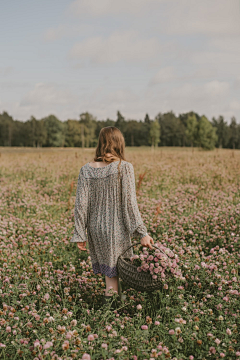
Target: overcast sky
[66, 57]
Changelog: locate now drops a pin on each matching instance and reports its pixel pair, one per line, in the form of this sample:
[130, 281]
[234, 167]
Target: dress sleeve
[131, 214]
[81, 208]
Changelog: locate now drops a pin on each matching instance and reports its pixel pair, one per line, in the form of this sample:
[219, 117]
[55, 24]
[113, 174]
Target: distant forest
[166, 129]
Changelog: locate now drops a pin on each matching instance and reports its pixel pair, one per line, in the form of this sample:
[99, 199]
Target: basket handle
[136, 244]
[128, 249]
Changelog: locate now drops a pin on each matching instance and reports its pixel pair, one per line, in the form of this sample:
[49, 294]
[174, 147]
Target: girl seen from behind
[106, 206]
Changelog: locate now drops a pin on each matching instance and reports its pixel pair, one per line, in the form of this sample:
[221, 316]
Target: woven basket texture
[140, 281]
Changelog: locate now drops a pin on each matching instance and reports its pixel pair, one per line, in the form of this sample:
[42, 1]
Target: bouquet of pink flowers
[159, 262]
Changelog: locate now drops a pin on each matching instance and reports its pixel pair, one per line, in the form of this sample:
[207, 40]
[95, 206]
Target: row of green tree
[188, 129]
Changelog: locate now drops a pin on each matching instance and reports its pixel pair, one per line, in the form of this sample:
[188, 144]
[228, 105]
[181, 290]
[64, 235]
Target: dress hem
[105, 269]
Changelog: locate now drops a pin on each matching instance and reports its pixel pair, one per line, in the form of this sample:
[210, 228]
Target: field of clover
[50, 300]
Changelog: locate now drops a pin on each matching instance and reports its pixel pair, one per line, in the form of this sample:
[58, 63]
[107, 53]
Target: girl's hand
[146, 241]
[82, 245]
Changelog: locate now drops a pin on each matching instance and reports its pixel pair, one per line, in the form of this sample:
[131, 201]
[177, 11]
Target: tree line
[166, 129]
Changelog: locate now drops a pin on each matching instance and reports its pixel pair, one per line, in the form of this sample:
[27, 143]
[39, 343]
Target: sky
[66, 57]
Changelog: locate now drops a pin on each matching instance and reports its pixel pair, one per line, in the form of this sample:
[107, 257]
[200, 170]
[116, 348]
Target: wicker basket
[140, 281]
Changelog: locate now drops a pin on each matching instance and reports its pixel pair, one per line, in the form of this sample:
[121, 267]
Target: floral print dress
[106, 214]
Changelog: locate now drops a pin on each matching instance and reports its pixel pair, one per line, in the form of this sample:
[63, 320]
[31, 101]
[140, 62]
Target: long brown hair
[111, 146]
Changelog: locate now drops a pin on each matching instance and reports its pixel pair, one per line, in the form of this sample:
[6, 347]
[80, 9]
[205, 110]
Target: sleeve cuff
[142, 236]
[140, 231]
[77, 238]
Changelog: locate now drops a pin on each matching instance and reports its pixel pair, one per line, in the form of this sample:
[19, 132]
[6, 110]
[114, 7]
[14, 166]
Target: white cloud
[213, 58]
[228, 44]
[54, 33]
[202, 98]
[185, 96]
[210, 98]
[169, 74]
[105, 103]
[164, 75]
[205, 72]
[46, 94]
[222, 64]
[120, 46]
[66, 30]
[181, 17]
[216, 88]
[108, 7]
[236, 84]
[202, 17]
[43, 99]
[191, 47]
[6, 70]
[235, 105]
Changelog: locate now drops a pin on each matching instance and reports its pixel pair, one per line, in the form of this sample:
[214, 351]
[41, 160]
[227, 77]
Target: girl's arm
[131, 215]
[80, 212]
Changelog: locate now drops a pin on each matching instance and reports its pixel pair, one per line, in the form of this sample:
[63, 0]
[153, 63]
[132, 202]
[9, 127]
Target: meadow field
[50, 300]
